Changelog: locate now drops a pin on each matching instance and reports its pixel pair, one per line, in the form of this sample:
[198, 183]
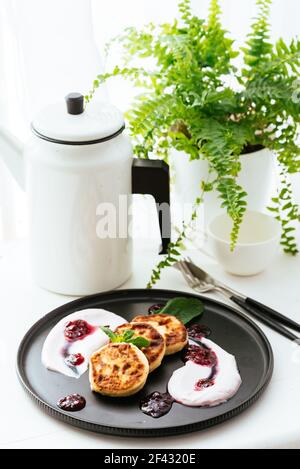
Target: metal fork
[202, 282]
[204, 285]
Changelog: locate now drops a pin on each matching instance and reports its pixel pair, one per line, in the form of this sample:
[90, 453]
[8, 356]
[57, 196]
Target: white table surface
[273, 422]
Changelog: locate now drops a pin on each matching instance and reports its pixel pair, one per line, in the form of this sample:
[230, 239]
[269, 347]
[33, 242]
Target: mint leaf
[127, 338]
[184, 309]
[113, 337]
[140, 342]
[128, 335]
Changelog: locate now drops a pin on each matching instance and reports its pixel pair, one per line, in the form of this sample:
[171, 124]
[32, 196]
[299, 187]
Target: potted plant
[197, 101]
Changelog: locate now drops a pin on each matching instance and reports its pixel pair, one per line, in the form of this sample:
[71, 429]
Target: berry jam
[198, 332]
[155, 309]
[78, 330]
[72, 403]
[74, 360]
[204, 384]
[157, 404]
[201, 355]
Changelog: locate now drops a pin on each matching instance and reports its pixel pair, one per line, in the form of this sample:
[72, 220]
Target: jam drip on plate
[72, 403]
[204, 384]
[157, 404]
[198, 332]
[200, 355]
[208, 382]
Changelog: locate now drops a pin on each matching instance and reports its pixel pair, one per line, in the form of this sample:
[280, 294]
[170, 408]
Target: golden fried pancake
[170, 327]
[157, 348]
[118, 370]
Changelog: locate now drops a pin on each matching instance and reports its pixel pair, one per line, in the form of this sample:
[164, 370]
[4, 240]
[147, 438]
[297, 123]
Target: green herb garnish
[127, 337]
[184, 309]
[109, 333]
[140, 342]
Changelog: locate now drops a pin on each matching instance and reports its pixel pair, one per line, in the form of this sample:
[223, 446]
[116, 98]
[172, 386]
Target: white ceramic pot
[65, 188]
[256, 177]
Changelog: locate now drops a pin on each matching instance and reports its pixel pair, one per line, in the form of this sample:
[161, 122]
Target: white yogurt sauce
[227, 380]
[52, 354]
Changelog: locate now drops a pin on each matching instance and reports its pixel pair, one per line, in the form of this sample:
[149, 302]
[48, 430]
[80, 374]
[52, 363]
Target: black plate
[230, 329]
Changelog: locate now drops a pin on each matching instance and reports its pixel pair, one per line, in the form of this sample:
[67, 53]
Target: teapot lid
[71, 123]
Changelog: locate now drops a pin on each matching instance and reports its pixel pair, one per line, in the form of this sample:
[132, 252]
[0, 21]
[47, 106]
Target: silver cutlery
[202, 282]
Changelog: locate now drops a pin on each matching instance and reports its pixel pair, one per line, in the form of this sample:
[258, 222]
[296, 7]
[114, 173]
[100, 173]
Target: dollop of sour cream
[57, 348]
[223, 381]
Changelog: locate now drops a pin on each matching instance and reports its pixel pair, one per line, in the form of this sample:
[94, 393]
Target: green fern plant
[287, 213]
[194, 99]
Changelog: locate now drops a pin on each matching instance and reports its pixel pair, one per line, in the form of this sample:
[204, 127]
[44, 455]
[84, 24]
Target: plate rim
[127, 431]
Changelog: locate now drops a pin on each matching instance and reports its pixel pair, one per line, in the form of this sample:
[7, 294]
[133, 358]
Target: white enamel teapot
[78, 170]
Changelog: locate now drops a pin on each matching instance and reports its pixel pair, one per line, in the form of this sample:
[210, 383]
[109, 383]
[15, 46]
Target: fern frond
[233, 197]
[220, 145]
[149, 110]
[287, 213]
[217, 47]
[289, 54]
[214, 21]
[179, 48]
[288, 150]
[184, 7]
[138, 43]
[133, 73]
[258, 45]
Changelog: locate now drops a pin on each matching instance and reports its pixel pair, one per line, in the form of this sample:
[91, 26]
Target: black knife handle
[271, 313]
[258, 313]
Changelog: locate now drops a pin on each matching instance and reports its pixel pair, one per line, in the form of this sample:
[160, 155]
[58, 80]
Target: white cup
[257, 246]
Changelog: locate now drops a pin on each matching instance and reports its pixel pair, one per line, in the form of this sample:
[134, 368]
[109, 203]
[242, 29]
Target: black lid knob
[75, 103]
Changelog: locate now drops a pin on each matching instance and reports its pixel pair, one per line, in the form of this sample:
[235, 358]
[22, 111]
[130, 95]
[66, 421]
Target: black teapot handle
[153, 177]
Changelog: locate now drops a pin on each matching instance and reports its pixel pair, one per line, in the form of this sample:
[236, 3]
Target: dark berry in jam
[74, 360]
[198, 331]
[157, 404]
[72, 403]
[201, 356]
[78, 330]
[155, 309]
[204, 384]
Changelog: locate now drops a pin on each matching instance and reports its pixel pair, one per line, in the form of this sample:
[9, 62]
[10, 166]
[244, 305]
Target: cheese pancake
[157, 348]
[118, 370]
[170, 327]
